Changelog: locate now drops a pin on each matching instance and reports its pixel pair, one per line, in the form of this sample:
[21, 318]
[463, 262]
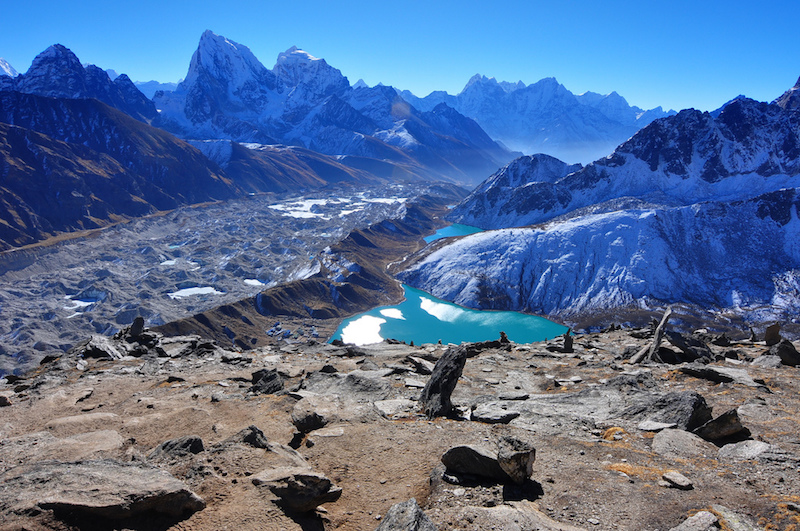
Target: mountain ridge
[545, 117]
[229, 94]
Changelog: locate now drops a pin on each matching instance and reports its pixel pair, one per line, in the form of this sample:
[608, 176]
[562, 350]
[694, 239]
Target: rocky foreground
[142, 431]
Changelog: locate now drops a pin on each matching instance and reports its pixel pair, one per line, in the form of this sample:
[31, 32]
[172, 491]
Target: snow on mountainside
[751, 148]
[545, 117]
[742, 256]
[694, 209]
[229, 94]
[57, 73]
[6, 69]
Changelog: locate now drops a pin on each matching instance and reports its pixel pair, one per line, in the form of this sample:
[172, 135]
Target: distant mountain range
[694, 208]
[545, 117]
[303, 101]
[76, 152]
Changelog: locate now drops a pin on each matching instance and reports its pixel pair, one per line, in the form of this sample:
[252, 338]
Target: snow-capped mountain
[6, 69]
[229, 94]
[508, 198]
[545, 117]
[57, 73]
[694, 208]
[751, 148]
[741, 256]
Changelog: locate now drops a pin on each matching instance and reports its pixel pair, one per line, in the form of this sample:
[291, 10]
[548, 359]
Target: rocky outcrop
[607, 434]
[96, 489]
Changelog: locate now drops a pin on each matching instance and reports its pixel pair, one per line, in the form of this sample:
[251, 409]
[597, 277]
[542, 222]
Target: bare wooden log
[650, 352]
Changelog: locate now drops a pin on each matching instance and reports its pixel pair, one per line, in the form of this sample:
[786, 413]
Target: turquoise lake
[455, 229]
[422, 318]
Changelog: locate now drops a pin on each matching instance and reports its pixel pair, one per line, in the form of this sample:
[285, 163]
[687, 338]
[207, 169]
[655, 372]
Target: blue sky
[677, 54]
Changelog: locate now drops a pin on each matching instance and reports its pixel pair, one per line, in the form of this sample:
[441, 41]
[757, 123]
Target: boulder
[721, 375]
[768, 361]
[101, 347]
[733, 520]
[105, 489]
[435, 397]
[182, 446]
[691, 347]
[406, 516]
[723, 427]
[772, 335]
[686, 409]
[251, 436]
[516, 458]
[744, 450]
[300, 489]
[785, 350]
[474, 461]
[266, 382]
[680, 443]
[422, 366]
[702, 521]
[137, 327]
[314, 412]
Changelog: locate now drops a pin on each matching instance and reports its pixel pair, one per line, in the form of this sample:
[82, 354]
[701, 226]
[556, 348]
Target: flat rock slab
[679, 443]
[42, 446]
[107, 489]
[494, 413]
[744, 450]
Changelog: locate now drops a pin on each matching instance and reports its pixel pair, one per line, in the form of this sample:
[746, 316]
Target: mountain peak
[297, 67]
[224, 61]
[6, 69]
[790, 99]
[55, 56]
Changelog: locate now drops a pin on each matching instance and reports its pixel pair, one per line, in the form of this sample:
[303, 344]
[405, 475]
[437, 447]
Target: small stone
[492, 413]
[593, 521]
[4, 401]
[677, 480]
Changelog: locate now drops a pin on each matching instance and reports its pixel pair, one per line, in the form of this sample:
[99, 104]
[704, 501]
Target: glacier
[697, 209]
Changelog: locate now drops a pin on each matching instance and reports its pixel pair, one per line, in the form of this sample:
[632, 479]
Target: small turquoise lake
[422, 318]
[455, 229]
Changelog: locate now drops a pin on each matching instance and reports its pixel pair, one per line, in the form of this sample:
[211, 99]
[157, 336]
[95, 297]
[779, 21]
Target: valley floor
[171, 266]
